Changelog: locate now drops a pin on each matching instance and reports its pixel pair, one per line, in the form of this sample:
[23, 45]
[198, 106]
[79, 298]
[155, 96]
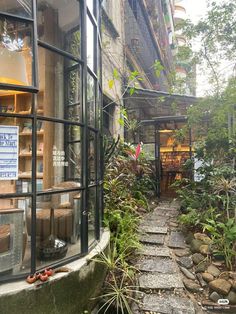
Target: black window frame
[86, 186]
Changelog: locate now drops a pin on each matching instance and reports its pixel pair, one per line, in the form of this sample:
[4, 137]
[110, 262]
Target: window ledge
[17, 287]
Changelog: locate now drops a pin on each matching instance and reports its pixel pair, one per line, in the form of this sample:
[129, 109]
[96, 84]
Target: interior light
[13, 68]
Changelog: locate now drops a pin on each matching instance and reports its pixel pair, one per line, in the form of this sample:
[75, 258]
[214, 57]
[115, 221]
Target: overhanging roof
[154, 94]
[154, 103]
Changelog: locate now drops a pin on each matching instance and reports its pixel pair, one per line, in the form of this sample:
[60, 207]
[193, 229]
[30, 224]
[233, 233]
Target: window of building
[51, 188]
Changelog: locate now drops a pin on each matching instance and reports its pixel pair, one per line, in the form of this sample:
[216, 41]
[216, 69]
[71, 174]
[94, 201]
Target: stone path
[160, 278]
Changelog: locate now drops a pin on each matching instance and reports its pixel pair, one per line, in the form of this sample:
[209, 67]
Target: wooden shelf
[28, 175]
[29, 154]
[41, 132]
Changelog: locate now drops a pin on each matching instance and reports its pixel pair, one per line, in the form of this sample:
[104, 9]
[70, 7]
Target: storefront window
[59, 24]
[15, 52]
[17, 7]
[90, 44]
[91, 214]
[47, 132]
[57, 226]
[15, 250]
[59, 86]
[91, 100]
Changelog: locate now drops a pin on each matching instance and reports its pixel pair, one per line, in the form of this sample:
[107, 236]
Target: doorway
[172, 148]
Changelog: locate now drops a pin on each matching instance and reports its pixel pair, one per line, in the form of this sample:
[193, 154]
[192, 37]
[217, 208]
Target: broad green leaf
[116, 74]
[131, 91]
[111, 83]
[121, 122]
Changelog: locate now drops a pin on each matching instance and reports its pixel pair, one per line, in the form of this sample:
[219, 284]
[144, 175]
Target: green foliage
[126, 185]
[111, 83]
[224, 237]
[158, 68]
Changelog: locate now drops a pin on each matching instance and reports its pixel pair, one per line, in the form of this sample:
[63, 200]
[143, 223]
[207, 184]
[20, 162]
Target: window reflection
[57, 155]
[59, 86]
[59, 24]
[92, 157]
[14, 242]
[91, 214]
[19, 7]
[91, 100]
[90, 44]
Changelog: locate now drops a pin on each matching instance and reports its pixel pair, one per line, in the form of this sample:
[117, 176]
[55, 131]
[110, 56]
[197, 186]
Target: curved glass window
[50, 152]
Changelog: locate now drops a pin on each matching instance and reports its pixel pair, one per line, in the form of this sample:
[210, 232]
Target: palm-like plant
[228, 187]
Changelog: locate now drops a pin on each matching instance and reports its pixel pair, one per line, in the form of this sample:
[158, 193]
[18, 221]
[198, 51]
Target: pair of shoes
[43, 276]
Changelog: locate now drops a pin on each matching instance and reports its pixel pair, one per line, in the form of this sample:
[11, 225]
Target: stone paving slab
[160, 281]
[167, 304]
[177, 240]
[157, 217]
[160, 265]
[153, 239]
[153, 229]
[151, 250]
[153, 223]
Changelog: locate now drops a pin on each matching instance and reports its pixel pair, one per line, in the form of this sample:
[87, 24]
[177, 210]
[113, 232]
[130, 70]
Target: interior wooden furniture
[66, 214]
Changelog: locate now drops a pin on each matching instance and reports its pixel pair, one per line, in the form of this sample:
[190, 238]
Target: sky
[195, 10]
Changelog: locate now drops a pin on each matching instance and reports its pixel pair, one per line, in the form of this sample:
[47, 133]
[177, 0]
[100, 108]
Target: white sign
[9, 142]
[197, 164]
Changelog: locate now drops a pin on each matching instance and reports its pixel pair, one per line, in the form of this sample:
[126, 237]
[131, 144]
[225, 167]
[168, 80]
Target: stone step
[153, 222]
[177, 240]
[157, 217]
[160, 265]
[153, 229]
[167, 304]
[160, 281]
[151, 250]
[153, 239]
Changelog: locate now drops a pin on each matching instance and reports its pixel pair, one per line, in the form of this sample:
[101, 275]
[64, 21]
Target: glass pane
[147, 134]
[91, 100]
[100, 203]
[73, 95]
[15, 154]
[90, 5]
[99, 72]
[57, 155]
[59, 24]
[17, 7]
[91, 214]
[14, 243]
[99, 109]
[57, 226]
[99, 172]
[15, 52]
[92, 158]
[90, 44]
[59, 86]
[74, 156]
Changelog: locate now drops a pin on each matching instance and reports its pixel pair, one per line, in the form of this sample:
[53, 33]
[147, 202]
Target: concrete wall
[64, 293]
[113, 57]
